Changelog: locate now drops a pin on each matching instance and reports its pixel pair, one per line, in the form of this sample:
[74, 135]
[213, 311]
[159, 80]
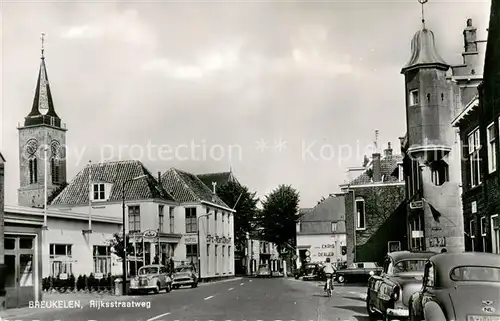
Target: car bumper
[183, 282]
[142, 287]
[400, 312]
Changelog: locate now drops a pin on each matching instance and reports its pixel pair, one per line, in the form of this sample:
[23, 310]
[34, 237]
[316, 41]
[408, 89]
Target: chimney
[376, 176]
[470, 43]
[388, 151]
[213, 185]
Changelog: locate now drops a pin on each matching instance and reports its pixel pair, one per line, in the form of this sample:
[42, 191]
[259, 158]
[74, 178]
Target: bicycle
[329, 286]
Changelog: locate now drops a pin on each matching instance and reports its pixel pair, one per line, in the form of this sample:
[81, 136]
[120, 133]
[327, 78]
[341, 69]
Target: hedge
[83, 283]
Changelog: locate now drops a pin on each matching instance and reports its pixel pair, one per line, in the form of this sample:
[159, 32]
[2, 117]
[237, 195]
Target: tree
[244, 205]
[116, 244]
[279, 216]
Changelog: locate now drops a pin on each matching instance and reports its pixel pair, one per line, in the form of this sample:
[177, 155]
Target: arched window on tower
[33, 170]
[55, 167]
[439, 172]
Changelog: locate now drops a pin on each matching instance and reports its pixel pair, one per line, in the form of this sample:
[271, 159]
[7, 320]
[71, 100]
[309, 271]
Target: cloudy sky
[308, 76]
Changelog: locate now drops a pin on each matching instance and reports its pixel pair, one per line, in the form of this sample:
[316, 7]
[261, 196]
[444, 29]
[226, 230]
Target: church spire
[42, 110]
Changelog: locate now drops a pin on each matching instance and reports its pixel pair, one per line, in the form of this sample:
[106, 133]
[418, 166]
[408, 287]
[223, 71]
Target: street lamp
[124, 262]
[198, 246]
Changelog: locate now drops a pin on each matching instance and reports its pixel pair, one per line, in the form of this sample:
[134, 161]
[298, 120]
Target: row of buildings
[442, 191]
[173, 215]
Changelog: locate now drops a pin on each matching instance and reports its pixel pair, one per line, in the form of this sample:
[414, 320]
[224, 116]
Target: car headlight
[395, 293]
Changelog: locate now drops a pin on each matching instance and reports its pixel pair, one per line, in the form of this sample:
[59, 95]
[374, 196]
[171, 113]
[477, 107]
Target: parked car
[459, 286]
[264, 271]
[358, 272]
[309, 271]
[151, 278]
[388, 294]
[184, 275]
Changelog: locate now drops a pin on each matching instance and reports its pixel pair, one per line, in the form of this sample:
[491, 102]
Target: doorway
[20, 276]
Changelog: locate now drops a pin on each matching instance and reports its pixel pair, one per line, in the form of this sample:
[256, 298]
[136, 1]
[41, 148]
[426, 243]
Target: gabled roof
[187, 187]
[388, 165]
[218, 178]
[116, 173]
[331, 209]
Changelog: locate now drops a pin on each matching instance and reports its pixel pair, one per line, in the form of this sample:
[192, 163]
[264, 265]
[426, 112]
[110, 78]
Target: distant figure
[444, 250]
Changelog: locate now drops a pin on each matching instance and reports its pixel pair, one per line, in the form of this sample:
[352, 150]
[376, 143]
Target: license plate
[483, 318]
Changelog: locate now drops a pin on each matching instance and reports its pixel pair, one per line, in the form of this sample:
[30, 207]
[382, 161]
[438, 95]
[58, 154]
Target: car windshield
[148, 270]
[410, 266]
[476, 273]
[183, 269]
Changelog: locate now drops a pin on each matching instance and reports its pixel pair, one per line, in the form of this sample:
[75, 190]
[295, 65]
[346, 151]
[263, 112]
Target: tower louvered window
[33, 170]
[55, 170]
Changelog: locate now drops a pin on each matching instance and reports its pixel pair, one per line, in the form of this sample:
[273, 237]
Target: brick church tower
[42, 134]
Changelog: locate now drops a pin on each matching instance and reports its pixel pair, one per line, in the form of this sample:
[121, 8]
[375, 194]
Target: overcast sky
[223, 74]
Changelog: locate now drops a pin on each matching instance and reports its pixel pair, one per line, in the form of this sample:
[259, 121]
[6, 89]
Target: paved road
[237, 300]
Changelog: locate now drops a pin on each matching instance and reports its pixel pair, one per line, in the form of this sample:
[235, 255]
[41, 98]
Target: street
[236, 300]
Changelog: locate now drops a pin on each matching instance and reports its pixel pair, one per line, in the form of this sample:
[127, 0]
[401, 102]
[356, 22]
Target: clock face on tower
[31, 148]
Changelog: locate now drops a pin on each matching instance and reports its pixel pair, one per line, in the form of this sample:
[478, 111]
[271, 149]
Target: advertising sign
[190, 239]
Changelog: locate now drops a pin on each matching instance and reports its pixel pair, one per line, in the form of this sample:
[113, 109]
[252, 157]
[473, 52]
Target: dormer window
[414, 97]
[99, 192]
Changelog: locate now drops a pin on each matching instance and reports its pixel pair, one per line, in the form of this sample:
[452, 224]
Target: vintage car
[185, 275]
[264, 271]
[309, 271]
[459, 286]
[151, 278]
[388, 294]
[358, 272]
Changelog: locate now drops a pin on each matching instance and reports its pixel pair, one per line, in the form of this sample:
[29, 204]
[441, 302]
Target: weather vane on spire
[422, 2]
[43, 41]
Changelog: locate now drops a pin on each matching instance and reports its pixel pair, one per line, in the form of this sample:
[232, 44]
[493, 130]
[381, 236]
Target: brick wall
[385, 221]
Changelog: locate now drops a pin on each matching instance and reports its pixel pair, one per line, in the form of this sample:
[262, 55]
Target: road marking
[207, 298]
[230, 289]
[242, 283]
[158, 316]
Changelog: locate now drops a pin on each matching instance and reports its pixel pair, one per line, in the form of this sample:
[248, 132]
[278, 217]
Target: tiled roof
[331, 209]
[187, 187]
[116, 173]
[219, 178]
[388, 166]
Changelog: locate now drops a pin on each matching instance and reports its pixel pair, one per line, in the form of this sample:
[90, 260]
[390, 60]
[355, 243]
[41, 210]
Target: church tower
[434, 177]
[42, 146]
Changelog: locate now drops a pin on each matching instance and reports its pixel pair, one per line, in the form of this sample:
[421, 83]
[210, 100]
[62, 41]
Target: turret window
[33, 170]
[414, 97]
[439, 172]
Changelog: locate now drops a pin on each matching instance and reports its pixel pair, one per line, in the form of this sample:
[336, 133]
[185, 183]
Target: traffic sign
[308, 253]
[308, 259]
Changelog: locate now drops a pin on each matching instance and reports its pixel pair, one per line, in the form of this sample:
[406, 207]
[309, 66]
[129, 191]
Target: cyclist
[329, 271]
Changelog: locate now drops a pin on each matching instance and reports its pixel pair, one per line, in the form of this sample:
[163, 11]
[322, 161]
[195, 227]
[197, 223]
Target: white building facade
[321, 233]
[202, 214]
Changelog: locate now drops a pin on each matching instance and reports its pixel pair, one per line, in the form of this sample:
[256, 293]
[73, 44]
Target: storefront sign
[150, 233]
[326, 254]
[63, 276]
[437, 241]
[218, 239]
[98, 276]
[328, 246]
[190, 239]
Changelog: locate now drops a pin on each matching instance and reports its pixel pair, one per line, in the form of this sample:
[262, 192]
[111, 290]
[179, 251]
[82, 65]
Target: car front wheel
[372, 314]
